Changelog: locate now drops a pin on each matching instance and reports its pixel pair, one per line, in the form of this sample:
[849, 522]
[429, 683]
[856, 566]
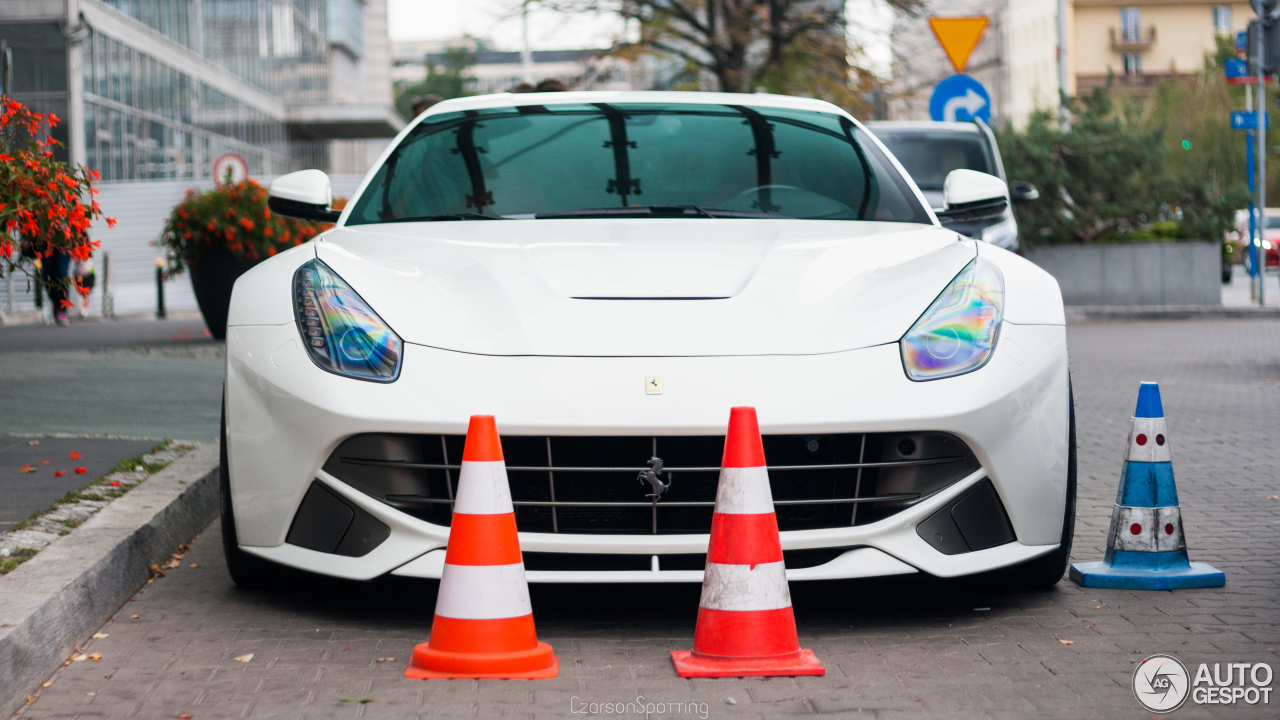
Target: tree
[1107, 175]
[786, 46]
[448, 80]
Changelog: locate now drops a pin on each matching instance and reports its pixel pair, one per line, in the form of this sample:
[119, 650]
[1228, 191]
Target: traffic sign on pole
[958, 37]
[1247, 120]
[960, 98]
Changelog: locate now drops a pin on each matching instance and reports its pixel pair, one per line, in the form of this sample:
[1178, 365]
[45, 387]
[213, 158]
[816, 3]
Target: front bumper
[285, 416]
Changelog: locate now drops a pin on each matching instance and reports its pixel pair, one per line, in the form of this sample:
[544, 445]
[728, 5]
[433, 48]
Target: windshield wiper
[446, 216]
[655, 211]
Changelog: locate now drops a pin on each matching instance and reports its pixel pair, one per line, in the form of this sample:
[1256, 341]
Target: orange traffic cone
[483, 627]
[745, 622]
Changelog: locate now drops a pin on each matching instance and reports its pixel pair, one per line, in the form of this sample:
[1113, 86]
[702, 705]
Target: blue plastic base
[1101, 575]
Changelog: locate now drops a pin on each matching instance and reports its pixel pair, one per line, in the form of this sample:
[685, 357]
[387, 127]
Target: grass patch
[19, 556]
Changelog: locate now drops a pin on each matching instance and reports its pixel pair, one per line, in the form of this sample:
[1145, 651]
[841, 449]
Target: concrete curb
[1088, 313]
[55, 601]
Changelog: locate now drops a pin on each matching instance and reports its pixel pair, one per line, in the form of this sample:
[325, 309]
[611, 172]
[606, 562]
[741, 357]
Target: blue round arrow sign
[960, 98]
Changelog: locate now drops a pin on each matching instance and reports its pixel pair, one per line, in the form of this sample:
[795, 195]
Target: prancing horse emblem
[653, 476]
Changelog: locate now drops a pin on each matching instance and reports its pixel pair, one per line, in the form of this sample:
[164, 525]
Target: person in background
[85, 278]
[422, 102]
[551, 85]
[54, 270]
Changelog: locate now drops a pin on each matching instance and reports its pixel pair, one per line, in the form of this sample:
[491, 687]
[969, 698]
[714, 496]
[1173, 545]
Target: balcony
[1133, 39]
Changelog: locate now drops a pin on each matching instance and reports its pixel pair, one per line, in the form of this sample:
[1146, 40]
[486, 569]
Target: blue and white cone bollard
[1146, 549]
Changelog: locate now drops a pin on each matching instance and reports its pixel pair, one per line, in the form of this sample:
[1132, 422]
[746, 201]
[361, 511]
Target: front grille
[591, 485]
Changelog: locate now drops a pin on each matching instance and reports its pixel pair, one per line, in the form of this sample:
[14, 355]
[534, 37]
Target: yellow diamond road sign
[958, 37]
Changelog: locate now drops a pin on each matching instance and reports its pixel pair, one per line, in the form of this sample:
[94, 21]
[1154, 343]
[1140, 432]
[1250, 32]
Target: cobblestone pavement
[907, 648]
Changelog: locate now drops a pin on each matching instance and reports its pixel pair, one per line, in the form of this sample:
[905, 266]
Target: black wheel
[247, 571]
[1044, 572]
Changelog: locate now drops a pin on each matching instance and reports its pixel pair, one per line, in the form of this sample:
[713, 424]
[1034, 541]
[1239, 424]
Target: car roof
[922, 125]
[477, 102]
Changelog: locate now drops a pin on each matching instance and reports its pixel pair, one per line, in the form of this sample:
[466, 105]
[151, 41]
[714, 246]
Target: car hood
[647, 287]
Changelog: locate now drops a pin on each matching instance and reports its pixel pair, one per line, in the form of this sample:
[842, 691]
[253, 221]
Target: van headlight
[341, 332]
[958, 332]
[1002, 234]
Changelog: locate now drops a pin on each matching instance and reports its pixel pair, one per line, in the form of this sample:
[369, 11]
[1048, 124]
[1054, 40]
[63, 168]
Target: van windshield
[606, 159]
[928, 155]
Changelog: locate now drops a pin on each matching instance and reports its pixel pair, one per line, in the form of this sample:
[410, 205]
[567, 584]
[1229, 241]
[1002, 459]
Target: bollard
[160, 313]
[39, 282]
[108, 301]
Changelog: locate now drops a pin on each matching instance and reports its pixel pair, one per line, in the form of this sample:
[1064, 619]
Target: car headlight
[341, 332]
[958, 332]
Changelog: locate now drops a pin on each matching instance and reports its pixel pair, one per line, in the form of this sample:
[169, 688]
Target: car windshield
[928, 155]
[1273, 222]
[609, 159]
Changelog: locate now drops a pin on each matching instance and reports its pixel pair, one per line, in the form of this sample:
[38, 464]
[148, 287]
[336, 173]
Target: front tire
[247, 571]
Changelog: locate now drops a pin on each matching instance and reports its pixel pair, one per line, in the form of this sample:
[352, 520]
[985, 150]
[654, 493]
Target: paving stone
[884, 642]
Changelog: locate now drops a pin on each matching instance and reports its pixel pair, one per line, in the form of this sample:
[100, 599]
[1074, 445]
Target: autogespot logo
[1161, 683]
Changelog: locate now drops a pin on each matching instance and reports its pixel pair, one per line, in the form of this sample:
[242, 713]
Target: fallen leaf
[1273, 497]
[81, 471]
[171, 564]
[100, 636]
[184, 716]
[26, 469]
[31, 699]
[96, 657]
[48, 684]
[384, 659]
[135, 617]
[155, 571]
[75, 454]
[243, 658]
[1098, 607]
[1067, 642]
[33, 442]
[193, 565]
[361, 701]
[44, 462]
[80, 657]
[58, 474]
[345, 649]
[184, 549]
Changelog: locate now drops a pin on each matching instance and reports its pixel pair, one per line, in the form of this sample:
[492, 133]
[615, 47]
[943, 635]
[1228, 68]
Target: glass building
[158, 89]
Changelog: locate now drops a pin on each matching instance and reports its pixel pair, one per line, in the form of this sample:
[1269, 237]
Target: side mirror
[972, 195]
[1023, 192]
[305, 195]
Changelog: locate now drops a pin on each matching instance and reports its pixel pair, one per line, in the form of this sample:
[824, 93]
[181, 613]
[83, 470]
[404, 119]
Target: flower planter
[213, 275]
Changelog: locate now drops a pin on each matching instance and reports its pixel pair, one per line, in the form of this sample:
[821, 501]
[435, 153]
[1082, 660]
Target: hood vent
[725, 297]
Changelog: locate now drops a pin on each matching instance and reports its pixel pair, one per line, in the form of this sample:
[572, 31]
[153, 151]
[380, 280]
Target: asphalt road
[903, 648]
[98, 334]
[132, 379]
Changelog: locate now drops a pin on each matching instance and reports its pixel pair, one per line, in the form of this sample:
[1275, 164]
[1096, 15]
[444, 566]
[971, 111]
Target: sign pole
[1253, 208]
[1260, 156]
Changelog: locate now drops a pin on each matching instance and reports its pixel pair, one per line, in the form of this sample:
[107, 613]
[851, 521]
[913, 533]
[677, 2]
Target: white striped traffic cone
[483, 627]
[745, 622]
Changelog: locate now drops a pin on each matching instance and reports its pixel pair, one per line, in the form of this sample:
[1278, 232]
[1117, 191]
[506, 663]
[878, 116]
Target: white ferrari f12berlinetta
[608, 273]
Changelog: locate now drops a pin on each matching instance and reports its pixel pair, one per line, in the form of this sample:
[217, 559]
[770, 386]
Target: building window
[1131, 24]
[1222, 19]
[1132, 63]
